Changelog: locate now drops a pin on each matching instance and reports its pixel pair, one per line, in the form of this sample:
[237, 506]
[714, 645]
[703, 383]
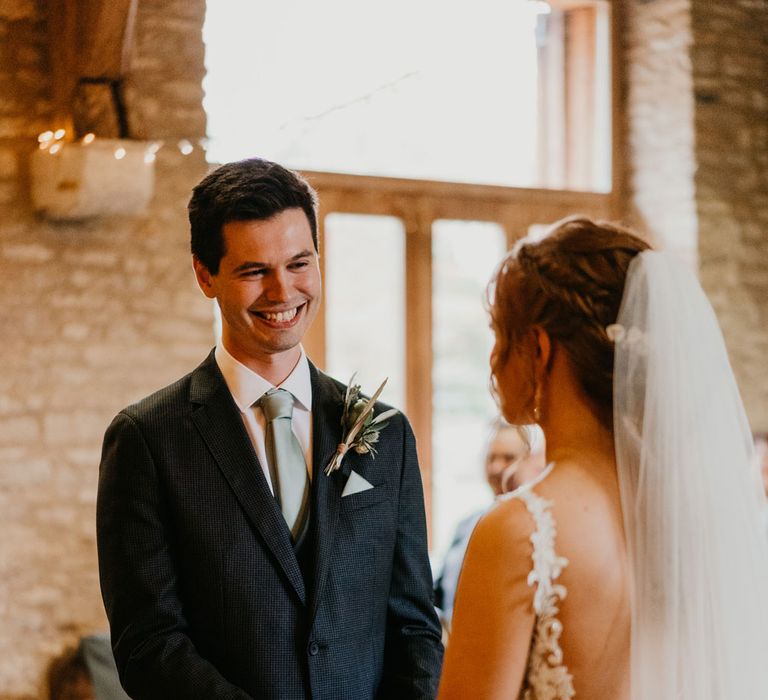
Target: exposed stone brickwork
[696, 81]
[660, 121]
[730, 76]
[165, 93]
[95, 315]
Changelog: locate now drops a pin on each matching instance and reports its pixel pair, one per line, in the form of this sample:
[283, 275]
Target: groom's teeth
[281, 315]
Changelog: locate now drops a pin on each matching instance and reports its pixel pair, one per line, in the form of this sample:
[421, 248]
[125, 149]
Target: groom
[231, 565]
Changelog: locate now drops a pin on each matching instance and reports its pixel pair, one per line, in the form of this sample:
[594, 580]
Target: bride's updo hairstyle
[570, 284]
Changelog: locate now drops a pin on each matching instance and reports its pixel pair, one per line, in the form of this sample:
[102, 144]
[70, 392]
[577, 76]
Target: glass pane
[428, 89]
[365, 302]
[465, 254]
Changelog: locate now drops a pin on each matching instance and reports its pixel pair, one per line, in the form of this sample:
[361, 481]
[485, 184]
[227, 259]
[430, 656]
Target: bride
[635, 567]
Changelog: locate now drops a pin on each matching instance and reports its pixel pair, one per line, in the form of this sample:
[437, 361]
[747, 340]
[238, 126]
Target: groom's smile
[280, 317]
[283, 317]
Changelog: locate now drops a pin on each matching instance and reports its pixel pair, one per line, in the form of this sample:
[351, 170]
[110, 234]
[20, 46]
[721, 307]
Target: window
[501, 92]
[462, 407]
[365, 302]
[436, 135]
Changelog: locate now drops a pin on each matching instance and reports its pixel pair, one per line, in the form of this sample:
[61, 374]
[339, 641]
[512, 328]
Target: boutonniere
[359, 428]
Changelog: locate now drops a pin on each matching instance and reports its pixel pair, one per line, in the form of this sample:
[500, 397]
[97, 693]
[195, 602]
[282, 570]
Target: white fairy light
[53, 142]
[150, 153]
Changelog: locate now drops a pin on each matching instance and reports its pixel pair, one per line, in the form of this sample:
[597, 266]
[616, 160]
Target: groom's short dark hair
[241, 191]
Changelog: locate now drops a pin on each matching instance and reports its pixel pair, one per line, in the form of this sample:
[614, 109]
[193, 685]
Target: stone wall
[730, 78]
[659, 115]
[95, 315]
[696, 83]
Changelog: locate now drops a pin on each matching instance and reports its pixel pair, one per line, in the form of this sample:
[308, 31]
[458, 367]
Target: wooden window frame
[419, 203]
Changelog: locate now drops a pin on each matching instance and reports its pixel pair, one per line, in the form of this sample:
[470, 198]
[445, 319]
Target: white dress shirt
[247, 387]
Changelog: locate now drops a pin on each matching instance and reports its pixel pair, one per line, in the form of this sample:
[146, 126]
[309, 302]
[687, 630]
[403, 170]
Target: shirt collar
[247, 386]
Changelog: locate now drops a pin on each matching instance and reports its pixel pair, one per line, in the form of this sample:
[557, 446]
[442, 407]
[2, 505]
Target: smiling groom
[231, 565]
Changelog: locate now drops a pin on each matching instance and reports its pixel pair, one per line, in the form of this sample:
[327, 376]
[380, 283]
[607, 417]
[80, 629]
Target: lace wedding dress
[546, 676]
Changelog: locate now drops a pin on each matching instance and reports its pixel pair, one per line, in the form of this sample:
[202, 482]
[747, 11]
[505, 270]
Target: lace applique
[547, 677]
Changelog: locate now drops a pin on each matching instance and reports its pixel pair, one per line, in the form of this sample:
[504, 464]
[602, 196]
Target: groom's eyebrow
[248, 265]
[253, 265]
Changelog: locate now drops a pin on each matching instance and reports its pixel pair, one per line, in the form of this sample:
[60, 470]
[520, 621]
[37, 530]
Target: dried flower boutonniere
[359, 427]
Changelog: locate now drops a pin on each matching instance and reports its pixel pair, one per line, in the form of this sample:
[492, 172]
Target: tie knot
[277, 403]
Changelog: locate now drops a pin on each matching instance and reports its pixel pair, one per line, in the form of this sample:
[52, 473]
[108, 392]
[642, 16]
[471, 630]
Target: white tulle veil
[690, 495]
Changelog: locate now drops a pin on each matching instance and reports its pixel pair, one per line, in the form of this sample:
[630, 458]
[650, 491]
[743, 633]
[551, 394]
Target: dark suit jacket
[203, 590]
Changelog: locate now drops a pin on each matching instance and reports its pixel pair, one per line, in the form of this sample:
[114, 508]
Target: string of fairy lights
[54, 141]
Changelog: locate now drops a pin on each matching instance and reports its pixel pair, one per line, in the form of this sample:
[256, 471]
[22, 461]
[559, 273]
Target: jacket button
[314, 647]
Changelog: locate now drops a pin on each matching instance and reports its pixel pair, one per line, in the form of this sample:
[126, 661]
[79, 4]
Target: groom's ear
[204, 278]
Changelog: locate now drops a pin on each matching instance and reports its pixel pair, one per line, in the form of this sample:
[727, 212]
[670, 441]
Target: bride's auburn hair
[570, 284]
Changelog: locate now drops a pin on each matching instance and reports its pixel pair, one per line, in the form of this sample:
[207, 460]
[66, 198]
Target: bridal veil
[690, 494]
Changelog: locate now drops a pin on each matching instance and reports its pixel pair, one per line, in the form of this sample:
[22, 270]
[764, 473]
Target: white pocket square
[355, 484]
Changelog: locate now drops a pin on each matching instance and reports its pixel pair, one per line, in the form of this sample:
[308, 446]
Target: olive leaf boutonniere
[359, 427]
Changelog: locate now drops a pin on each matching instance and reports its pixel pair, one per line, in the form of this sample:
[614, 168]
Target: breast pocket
[364, 499]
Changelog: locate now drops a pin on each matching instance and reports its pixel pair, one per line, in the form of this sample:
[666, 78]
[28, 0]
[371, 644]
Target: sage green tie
[286, 460]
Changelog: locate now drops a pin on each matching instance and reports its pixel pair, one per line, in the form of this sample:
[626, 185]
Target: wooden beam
[314, 340]
[418, 329]
[619, 164]
[370, 194]
[580, 97]
[62, 33]
[89, 40]
[106, 28]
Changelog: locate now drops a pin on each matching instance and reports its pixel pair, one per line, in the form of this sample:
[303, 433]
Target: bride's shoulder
[500, 548]
[504, 529]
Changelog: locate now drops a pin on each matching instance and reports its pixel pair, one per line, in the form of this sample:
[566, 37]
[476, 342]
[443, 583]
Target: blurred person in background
[513, 456]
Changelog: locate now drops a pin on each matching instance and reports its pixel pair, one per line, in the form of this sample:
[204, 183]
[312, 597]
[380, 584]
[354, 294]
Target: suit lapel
[327, 405]
[218, 420]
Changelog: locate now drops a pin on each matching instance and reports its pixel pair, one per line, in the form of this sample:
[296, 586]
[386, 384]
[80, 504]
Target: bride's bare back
[490, 653]
[596, 612]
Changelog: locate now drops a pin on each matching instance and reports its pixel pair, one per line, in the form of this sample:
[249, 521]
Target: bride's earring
[537, 403]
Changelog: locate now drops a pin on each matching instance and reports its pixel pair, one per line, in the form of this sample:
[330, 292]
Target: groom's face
[268, 284]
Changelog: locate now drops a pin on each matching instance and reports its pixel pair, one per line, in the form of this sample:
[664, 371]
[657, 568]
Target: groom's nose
[278, 285]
